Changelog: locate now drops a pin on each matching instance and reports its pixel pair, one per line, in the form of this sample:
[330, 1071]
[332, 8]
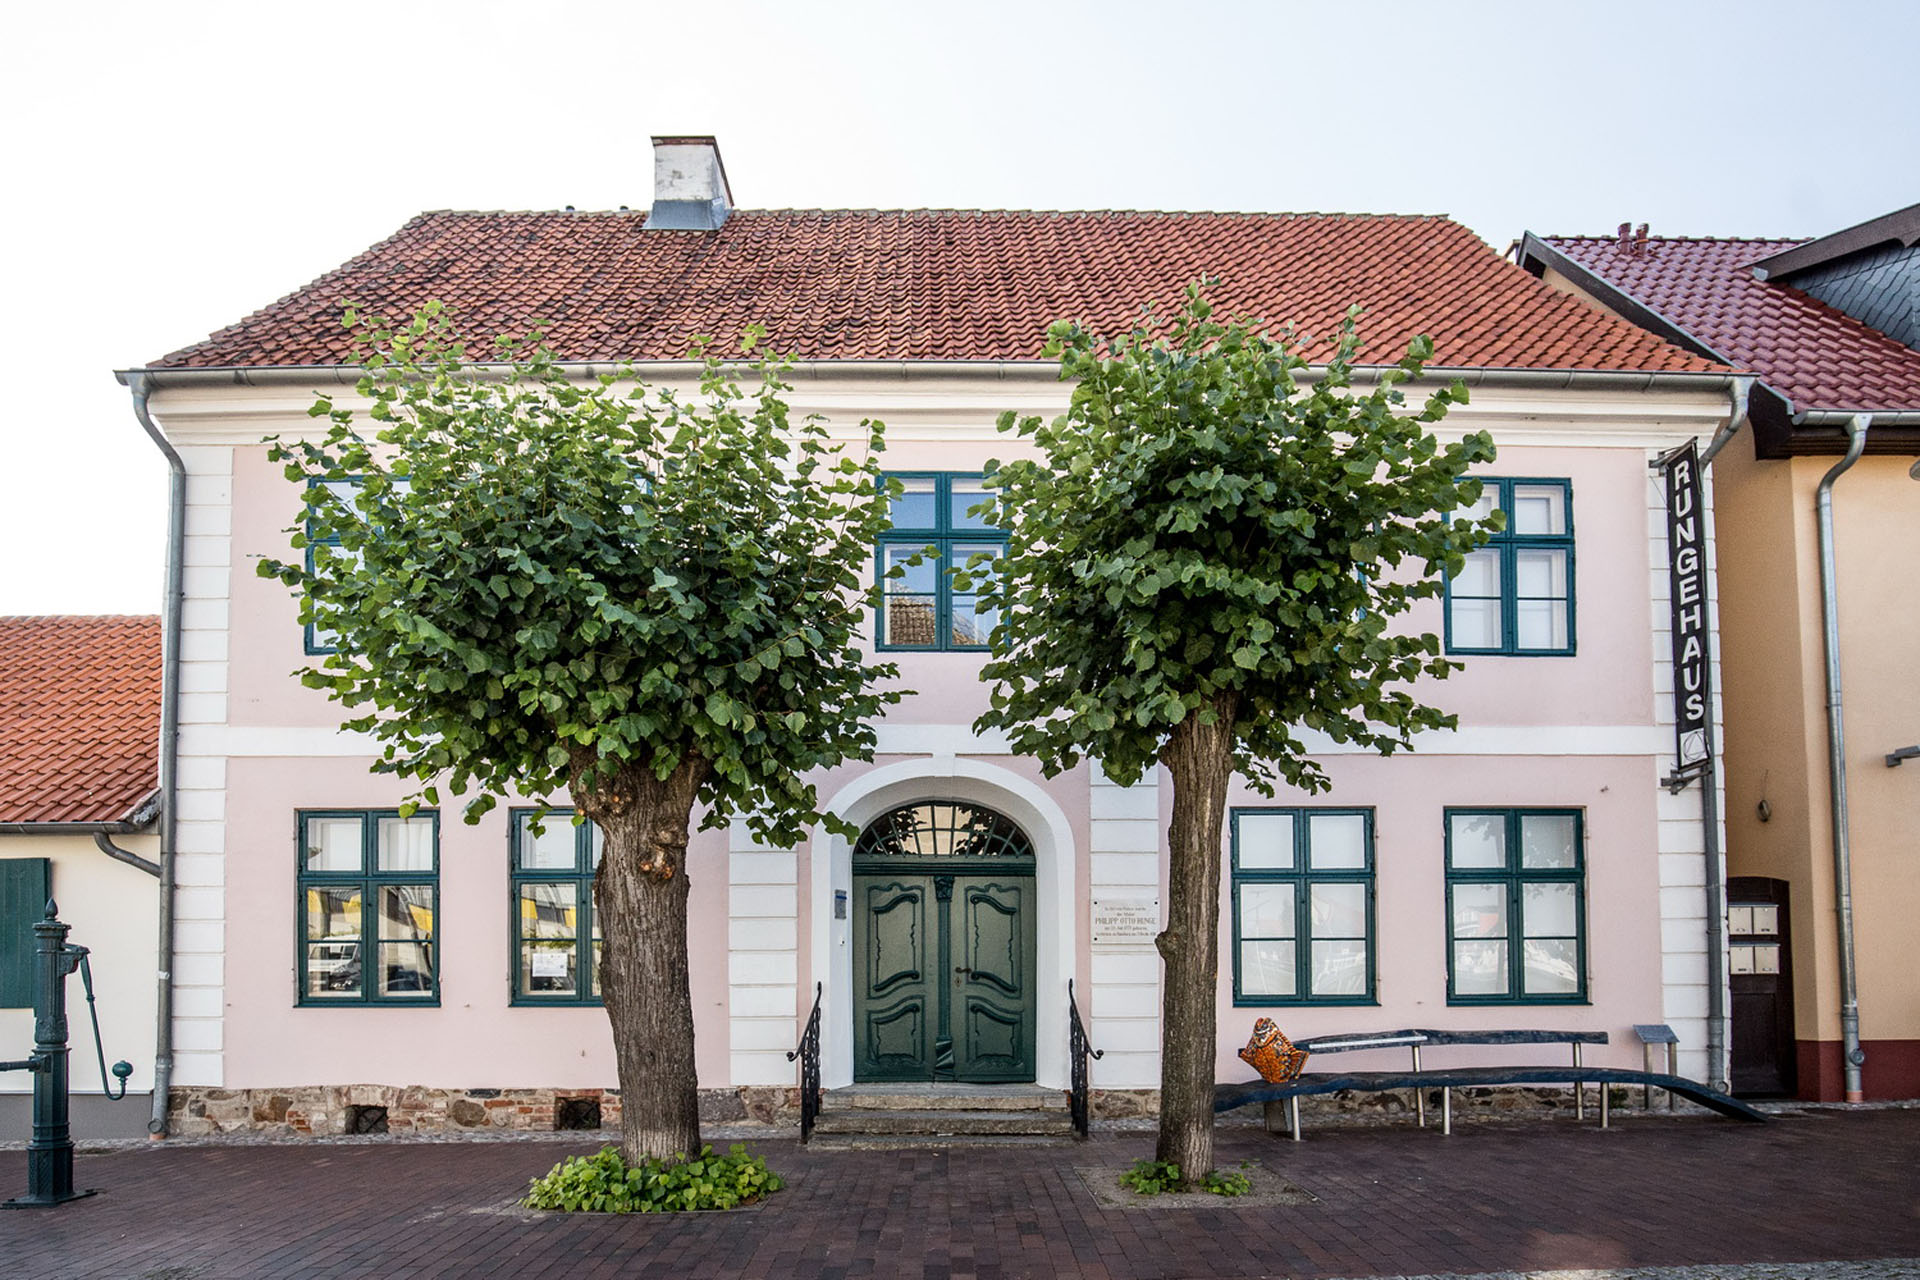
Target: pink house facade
[1527, 870]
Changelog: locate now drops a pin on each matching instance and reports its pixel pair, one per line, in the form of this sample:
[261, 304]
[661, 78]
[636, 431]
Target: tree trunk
[640, 897]
[1199, 757]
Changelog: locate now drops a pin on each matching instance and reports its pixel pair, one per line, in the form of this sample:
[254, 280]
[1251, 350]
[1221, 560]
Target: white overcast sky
[172, 166]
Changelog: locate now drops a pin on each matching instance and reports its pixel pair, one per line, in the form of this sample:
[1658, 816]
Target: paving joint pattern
[1816, 1195]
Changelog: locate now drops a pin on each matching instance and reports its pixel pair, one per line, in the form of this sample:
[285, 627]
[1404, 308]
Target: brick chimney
[689, 185]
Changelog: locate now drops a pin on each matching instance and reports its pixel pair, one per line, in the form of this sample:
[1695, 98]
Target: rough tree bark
[1199, 758]
[640, 897]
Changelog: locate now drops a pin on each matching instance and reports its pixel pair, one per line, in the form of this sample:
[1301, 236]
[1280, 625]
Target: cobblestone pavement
[1816, 1195]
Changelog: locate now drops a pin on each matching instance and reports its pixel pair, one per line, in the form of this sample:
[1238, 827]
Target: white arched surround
[1056, 903]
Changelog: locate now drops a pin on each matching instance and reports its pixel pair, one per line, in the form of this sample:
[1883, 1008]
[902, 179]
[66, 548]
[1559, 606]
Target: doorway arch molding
[1056, 900]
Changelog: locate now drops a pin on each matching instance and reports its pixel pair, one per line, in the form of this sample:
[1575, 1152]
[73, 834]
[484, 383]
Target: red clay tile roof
[1815, 356]
[79, 717]
[938, 285]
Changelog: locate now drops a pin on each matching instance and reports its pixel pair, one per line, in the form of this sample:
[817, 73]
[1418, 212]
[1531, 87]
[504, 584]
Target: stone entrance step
[928, 1096]
[925, 1114]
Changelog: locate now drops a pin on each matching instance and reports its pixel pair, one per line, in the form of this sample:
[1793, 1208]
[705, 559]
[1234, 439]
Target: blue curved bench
[1228, 1097]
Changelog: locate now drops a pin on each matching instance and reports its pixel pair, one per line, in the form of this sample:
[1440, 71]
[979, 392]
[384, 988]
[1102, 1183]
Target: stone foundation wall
[318, 1110]
[1515, 1101]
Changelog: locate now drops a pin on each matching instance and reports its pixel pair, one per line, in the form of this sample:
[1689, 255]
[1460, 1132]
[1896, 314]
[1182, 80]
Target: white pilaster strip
[1123, 1004]
[763, 958]
[200, 857]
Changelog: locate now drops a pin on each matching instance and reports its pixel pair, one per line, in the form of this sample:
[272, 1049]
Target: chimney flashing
[690, 189]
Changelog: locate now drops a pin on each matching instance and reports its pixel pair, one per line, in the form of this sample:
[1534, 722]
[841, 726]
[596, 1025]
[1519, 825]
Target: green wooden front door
[943, 946]
[943, 985]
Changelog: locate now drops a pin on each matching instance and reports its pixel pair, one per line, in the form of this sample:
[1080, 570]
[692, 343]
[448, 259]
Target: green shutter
[25, 886]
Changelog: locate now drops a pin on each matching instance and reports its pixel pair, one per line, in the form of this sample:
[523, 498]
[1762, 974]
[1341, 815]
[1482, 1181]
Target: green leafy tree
[1209, 555]
[645, 600]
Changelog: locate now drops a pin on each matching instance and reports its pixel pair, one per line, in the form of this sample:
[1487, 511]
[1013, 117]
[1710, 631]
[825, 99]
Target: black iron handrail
[808, 1052]
[1079, 1049]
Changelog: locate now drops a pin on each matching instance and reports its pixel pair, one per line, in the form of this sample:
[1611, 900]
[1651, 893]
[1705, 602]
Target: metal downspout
[1719, 1071]
[169, 749]
[1851, 1056]
[105, 844]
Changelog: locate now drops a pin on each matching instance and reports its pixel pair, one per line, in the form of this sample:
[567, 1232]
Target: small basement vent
[576, 1113]
[366, 1119]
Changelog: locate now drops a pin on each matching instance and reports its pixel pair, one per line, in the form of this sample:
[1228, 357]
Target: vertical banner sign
[1687, 584]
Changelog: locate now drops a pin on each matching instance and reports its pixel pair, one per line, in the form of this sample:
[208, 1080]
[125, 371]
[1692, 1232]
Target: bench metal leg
[1673, 1068]
[1579, 1091]
[1419, 1094]
[1293, 1116]
[1646, 1063]
[1603, 1106]
[1446, 1110]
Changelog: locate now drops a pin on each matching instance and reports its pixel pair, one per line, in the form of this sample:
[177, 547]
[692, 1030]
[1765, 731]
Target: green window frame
[1515, 594]
[368, 886]
[552, 924]
[1516, 906]
[920, 611]
[318, 639]
[1303, 906]
[25, 886]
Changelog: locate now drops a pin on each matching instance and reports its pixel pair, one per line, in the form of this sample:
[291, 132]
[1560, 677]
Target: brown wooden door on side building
[1760, 972]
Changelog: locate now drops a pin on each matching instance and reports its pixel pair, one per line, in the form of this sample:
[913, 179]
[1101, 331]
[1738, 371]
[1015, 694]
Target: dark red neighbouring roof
[1815, 356]
[938, 285]
[79, 717]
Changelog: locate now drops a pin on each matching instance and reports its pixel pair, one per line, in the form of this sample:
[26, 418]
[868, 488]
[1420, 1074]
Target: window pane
[914, 509]
[406, 969]
[1551, 967]
[971, 626]
[1480, 968]
[1477, 840]
[920, 572]
[1547, 841]
[908, 620]
[1475, 623]
[1337, 841]
[962, 494]
[406, 844]
[598, 948]
[1539, 624]
[1479, 576]
[1266, 911]
[1549, 911]
[333, 913]
[1539, 574]
[1480, 510]
[1266, 841]
[548, 911]
[596, 844]
[1479, 911]
[547, 968]
[1340, 968]
[333, 844]
[347, 492]
[553, 848]
[406, 911]
[1266, 969]
[1538, 509]
[333, 969]
[1337, 910]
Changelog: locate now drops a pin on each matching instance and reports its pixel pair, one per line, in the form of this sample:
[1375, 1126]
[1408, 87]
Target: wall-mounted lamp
[1905, 753]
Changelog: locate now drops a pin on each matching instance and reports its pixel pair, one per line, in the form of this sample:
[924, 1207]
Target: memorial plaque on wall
[1687, 587]
[1125, 921]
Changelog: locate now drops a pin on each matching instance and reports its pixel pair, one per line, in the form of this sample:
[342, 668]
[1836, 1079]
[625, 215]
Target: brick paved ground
[1393, 1201]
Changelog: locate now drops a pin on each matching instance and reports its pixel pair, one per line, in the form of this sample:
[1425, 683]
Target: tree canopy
[1212, 519]
[533, 579]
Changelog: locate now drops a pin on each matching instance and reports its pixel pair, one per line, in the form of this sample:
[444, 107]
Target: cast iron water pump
[50, 1153]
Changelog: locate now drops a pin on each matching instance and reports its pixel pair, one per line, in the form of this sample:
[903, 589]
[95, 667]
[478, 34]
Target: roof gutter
[1045, 371]
[1851, 1054]
[142, 387]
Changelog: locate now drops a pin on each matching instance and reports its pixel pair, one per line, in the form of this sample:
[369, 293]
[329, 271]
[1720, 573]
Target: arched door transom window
[942, 829]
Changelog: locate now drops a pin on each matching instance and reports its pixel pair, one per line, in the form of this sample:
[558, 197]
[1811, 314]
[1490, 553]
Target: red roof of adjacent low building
[79, 717]
[1815, 356]
[938, 285]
